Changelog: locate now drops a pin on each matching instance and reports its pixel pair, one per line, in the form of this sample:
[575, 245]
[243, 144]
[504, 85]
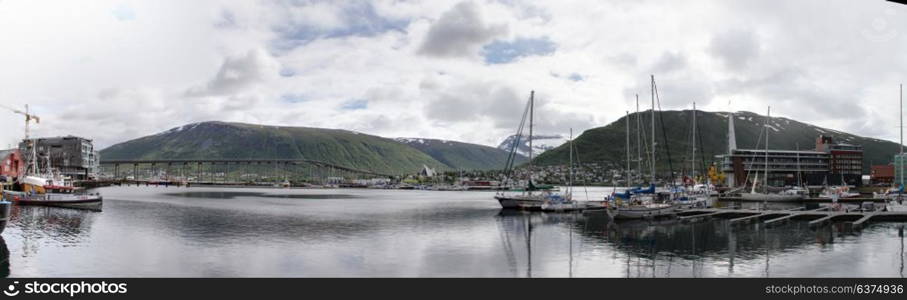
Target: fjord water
[264, 232]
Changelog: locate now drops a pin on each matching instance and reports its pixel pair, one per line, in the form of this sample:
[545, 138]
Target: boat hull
[517, 202]
[91, 202]
[562, 207]
[770, 197]
[642, 212]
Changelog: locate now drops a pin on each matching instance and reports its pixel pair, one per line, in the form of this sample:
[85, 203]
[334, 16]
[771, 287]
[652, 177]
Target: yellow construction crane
[28, 117]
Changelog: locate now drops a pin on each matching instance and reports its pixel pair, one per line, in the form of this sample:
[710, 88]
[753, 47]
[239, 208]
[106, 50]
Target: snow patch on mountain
[540, 143]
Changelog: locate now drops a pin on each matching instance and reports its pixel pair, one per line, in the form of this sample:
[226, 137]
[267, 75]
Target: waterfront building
[828, 163]
[11, 164]
[845, 160]
[742, 165]
[73, 156]
[882, 175]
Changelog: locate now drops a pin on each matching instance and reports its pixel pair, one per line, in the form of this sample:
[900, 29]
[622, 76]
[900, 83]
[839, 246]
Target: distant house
[427, 172]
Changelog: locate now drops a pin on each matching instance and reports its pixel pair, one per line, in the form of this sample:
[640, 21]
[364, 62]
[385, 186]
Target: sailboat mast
[653, 130]
[628, 149]
[638, 139]
[799, 177]
[531, 112]
[767, 116]
[693, 163]
[902, 116]
[570, 184]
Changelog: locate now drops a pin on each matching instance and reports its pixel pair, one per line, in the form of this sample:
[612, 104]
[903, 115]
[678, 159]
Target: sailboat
[894, 197]
[693, 195]
[532, 196]
[557, 204]
[639, 203]
[765, 194]
[837, 191]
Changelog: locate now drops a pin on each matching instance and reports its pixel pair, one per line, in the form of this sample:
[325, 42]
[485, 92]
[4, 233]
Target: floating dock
[815, 217]
[807, 200]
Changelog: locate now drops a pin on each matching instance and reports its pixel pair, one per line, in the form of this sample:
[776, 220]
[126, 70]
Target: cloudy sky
[461, 70]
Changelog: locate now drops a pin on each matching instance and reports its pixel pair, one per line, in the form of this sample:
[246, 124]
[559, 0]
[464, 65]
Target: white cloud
[89, 71]
[460, 32]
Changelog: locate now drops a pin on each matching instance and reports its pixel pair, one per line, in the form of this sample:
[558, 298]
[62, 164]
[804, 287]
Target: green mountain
[608, 144]
[222, 140]
[462, 156]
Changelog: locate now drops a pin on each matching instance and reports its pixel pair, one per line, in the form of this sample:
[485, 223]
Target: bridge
[221, 169]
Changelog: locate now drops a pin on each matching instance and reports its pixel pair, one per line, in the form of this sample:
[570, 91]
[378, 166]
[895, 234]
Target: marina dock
[808, 200]
[816, 217]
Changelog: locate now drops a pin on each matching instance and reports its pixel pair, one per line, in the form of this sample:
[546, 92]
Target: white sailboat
[566, 203]
[531, 197]
[693, 195]
[640, 203]
[894, 198]
[765, 195]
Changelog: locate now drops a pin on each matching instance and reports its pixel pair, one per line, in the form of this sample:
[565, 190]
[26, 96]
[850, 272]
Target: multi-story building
[845, 161]
[785, 167]
[829, 163]
[72, 156]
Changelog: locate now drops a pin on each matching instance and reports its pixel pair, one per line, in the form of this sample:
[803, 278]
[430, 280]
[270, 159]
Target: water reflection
[242, 232]
[233, 194]
[901, 254]
[61, 224]
[670, 248]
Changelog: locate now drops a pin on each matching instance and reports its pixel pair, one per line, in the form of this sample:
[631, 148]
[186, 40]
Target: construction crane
[28, 117]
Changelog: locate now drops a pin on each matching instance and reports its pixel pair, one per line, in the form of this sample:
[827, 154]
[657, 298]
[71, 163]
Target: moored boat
[642, 211]
[532, 197]
[83, 201]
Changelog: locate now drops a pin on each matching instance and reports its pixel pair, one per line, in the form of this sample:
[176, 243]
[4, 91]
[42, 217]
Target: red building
[845, 161]
[11, 163]
[882, 175]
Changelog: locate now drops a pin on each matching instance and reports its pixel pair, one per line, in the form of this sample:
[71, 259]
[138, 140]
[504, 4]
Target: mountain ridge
[608, 143]
[234, 140]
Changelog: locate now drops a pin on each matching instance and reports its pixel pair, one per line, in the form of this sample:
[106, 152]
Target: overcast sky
[460, 70]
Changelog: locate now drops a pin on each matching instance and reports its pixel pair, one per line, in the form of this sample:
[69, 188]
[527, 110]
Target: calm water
[244, 232]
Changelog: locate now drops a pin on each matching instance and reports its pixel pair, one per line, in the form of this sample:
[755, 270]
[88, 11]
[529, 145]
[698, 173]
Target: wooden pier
[816, 217]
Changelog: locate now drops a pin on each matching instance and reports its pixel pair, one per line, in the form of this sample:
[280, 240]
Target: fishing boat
[39, 190]
[532, 196]
[47, 186]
